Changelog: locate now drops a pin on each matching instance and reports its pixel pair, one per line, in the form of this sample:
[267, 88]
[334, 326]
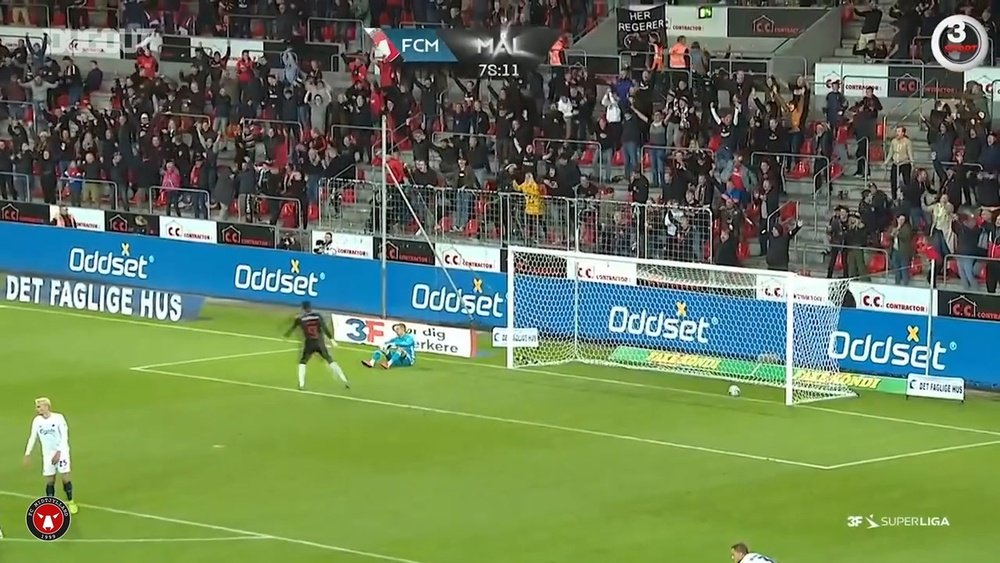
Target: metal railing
[847, 259]
[462, 143]
[27, 9]
[283, 211]
[20, 184]
[601, 224]
[954, 264]
[21, 111]
[190, 202]
[78, 191]
[341, 28]
[823, 174]
[246, 26]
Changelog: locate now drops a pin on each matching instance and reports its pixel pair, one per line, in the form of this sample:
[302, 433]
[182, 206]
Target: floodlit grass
[462, 461]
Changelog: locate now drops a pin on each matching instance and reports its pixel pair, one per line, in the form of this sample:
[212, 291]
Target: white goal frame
[793, 286]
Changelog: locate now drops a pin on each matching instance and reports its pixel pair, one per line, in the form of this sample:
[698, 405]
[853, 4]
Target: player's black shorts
[311, 348]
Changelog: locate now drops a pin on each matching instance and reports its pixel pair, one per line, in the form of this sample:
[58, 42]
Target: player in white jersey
[50, 429]
[740, 553]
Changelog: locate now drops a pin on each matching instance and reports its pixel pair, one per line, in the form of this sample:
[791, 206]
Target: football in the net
[734, 391]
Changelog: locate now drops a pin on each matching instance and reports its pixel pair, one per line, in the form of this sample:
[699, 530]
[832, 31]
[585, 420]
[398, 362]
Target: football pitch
[191, 443]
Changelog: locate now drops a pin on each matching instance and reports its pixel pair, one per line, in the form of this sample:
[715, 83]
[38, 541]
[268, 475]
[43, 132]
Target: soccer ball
[734, 391]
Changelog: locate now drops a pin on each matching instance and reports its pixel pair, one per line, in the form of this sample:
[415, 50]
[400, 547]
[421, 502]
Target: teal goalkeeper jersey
[405, 344]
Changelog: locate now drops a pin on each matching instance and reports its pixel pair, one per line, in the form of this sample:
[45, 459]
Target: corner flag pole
[384, 195]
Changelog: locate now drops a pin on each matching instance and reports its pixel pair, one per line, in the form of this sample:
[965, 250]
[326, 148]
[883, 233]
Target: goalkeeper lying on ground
[397, 352]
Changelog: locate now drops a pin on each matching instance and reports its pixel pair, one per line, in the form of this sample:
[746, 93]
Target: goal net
[748, 326]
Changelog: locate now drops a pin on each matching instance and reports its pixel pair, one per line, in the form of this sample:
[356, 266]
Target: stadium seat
[587, 158]
[289, 216]
[876, 153]
[257, 29]
[472, 227]
[880, 130]
[838, 264]
[801, 169]
[234, 208]
[313, 212]
[58, 18]
[836, 171]
[789, 211]
[981, 272]
[349, 196]
[807, 147]
[647, 160]
[328, 33]
[446, 224]
[843, 133]
[262, 207]
[743, 250]
[618, 159]
[877, 263]
[161, 200]
[916, 266]
[951, 267]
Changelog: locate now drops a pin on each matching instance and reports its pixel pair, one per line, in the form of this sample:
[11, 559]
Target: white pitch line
[216, 358]
[476, 416]
[912, 454]
[138, 540]
[228, 530]
[715, 396]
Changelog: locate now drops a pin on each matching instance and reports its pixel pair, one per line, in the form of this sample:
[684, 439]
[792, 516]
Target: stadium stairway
[807, 250]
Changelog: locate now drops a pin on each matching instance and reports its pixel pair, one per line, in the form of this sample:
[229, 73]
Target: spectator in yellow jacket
[534, 207]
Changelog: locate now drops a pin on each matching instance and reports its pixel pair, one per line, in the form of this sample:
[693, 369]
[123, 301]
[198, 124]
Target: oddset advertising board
[870, 339]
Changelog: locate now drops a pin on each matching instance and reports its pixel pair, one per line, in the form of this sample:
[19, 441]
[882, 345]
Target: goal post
[748, 326]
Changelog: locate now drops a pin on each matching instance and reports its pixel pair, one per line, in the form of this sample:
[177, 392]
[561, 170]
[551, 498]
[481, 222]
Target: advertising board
[884, 334]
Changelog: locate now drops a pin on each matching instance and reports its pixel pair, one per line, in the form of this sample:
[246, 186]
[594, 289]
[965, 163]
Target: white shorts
[49, 469]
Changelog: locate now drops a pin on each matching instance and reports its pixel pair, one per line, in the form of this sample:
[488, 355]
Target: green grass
[458, 462]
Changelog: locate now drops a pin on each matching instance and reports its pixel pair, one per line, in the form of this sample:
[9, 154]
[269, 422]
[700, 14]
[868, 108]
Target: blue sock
[68, 489]
[50, 489]
[377, 356]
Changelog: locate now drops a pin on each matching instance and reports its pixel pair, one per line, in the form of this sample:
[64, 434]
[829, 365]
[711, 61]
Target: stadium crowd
[646, 163]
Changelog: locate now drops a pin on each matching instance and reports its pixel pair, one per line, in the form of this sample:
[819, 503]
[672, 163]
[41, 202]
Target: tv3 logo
[857, 521]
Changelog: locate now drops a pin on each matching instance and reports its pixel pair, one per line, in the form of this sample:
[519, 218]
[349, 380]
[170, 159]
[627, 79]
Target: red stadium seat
[876, 153]
[289, 216]
[472, 227]
[446, 224]
[801, 169]
[349, 196]
[743, 250]
[618, 159]
[836, 171]
[916, 266]
[789, 211]
[877, 263]
[313, 212]
[587, 158]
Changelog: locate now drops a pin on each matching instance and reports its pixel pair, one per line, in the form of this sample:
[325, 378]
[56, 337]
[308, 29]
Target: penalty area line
[214, 359]
[228, 530]
[140, 540]
[485, 417]
[912, 454]
[465, 364]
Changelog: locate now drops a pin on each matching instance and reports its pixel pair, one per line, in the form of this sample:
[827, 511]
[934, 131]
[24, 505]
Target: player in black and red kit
[314, 335]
